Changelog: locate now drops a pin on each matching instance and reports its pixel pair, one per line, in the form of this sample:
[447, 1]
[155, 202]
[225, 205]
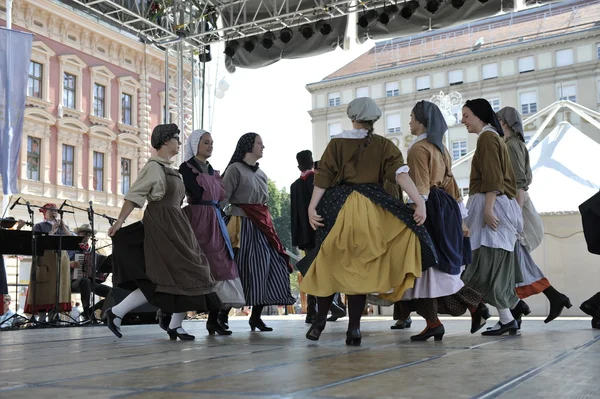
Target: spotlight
[432, 6]
[306, 31]
[368, 19]
[250, 44]
[324, 27]
[231, 47]
[388, 14]
[268, 40]
[458, 3]
[286, 35]
[409, 9]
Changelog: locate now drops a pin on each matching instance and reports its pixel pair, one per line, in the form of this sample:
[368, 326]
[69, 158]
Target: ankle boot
[223, 318]
[591, 306]
[558, 302]
[522, 309]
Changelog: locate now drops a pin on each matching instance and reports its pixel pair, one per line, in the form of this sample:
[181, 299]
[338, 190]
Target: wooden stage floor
[557, 360]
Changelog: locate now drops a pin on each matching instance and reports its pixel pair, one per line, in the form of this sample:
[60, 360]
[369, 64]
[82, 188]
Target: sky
[273, 102]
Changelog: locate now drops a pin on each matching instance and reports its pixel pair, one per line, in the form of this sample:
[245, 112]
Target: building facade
[526, 60]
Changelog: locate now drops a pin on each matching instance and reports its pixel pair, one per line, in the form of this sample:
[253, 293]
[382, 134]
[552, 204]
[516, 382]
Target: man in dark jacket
[303, 236]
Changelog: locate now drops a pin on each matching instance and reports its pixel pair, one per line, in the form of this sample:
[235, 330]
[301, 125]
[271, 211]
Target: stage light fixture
[432, 6]
[286, 35]
[324, 27]
[268, 40]
[231, 47]
[368, 19]
[306, 31]
[458, 3]
[388, 14]
[409, 9]
[250, 43]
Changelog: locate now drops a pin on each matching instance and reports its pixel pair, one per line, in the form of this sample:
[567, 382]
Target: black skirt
[3, 278]
[129, 272]
[332, 202]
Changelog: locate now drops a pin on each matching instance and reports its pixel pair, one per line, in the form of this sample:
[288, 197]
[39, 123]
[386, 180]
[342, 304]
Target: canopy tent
[200, 23]
[565, 167]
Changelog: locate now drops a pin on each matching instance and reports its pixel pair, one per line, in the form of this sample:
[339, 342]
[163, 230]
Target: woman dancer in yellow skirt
[366, 241]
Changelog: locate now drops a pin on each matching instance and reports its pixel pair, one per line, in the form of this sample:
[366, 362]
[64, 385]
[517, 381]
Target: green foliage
[279, 206]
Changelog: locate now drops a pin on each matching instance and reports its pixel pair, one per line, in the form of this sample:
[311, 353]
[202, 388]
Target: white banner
[15, 55]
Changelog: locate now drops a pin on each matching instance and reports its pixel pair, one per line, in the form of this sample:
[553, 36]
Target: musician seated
[81, 274]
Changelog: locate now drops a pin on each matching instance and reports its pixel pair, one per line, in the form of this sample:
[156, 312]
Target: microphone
[15, 203]
[90, 211]
[62, 206]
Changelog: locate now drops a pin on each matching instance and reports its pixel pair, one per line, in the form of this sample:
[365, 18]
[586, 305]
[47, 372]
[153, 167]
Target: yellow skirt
[368, 250]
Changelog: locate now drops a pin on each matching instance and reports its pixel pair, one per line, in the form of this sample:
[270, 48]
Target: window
[68, 152]
[568, 92]
[464, 192]
[459, 149]
[598, 51]
[393, 123]
[564, 57]
[495, 103]
[126, 109]
[423, 83]
[334, 129]
[362, 92]
[125, 175]
[98, 171]
[99, 100]
[528, 102]
[34, 83]
[490, 71]
[69, 84]
[391, 89]
[334, 99]
[34, 145]
[455, 77]
[526, 64]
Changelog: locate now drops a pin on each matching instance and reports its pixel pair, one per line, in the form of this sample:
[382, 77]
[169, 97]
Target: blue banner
[15, 55]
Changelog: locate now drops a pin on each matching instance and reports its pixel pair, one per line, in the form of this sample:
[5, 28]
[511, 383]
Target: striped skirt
[263, 271]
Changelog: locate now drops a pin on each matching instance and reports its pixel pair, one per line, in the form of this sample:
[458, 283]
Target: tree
[279, 206]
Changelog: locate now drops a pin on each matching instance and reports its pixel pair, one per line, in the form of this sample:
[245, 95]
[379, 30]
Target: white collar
[490, 128]
[415, 141]
[352, 134]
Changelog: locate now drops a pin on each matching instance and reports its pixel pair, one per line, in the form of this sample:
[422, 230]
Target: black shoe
[510, 327]
[335, 314]
[478, 319]
[173, 335]
[254, 324]
[314, 332]
[406, 324]
[556, 307]
[310, 319]
[437, 333]
[109, 318]
[216, 327]
[588, 308]
[522, 309]
[353, 337]
[163, 319]
[596, 322]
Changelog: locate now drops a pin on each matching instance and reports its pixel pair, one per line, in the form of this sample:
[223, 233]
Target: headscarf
[363, 109]
[430, 116]
[45, 208]
[484, 111]
[513, 119]
[163, 133]
[244, 146]
[192, 142]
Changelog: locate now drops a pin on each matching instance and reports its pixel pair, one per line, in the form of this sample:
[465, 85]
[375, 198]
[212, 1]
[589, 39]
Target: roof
[565, 169]
[506, 30]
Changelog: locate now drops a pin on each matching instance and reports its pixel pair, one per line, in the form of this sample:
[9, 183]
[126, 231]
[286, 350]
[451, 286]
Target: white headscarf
[191, 144]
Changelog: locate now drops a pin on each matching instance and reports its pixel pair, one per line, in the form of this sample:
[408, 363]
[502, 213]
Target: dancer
[161, 256]
[263, 264]
[494, 219]
[303, 235]
[204, 189]
[590, 218]
[534, 280]
[367, 241]
[440, 289]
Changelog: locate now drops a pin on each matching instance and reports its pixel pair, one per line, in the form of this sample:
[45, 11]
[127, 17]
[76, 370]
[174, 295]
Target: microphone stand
[57, 311]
